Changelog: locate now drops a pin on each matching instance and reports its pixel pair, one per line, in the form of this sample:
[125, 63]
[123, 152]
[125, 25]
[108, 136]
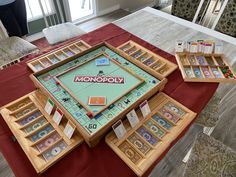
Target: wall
[132, 5]
[106, 6]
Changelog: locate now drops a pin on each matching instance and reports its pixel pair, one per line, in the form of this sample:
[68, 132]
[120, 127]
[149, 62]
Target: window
[34, 11]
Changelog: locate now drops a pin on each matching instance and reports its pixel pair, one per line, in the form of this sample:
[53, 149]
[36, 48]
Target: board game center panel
[96, 88]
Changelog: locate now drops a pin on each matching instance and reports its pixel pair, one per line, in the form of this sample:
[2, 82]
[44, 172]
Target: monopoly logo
[100, 79]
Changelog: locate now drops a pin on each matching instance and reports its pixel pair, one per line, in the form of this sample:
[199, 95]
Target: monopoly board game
[96, 88]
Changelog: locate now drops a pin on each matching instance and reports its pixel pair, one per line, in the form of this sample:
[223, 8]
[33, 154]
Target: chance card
[102, 61]
[97, 100]
[145, 109]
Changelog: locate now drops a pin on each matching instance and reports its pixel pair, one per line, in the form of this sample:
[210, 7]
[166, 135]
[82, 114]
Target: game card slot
[30, 133]
[219, 60]
[19, 114]
[210, 60]
[68, 52]
[137, 53]
[164, 69]
[45, 62]
[149, 61]
[144, 57]
[226, 71]
[163, 65]
[184, 60]
[175, 109]
[126, 47]
[46, 144]
[201, 60]
[130, 152]
[217, 72]
[139, 144]
[43, 131]
[74, 48]
[197, 72]
[33, 121]
[37, 65]
[54, 151]
[53, 58]
[131, 50]
[61, 55]
[32, 144]
[148, 136]
[164, 123]
[22, 103]
[155, 129]
[170, 115]
[22, 107]
[156, 65]
[207, 72]
[81, 46]
[189, 72]
[27, 119]
[192, 60]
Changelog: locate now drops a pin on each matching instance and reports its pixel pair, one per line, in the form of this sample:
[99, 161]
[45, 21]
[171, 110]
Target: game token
[89, 114]
[147, 136]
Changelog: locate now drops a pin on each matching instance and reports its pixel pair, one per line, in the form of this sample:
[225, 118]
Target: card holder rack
[147, 60]
[43, 141]
[204, 68]
[143, 145]
[57, 55]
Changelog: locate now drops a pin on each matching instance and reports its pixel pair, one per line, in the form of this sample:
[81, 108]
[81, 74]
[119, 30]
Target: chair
[209, 157]
[54, 32]
[227, 21]
[186, 9]
[13, 49]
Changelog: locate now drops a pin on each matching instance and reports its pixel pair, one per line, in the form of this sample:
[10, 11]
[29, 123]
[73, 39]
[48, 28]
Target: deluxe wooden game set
[84, 94]
[204, 62]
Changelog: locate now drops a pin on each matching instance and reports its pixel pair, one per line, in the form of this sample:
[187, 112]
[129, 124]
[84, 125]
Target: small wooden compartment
[198, 67]
[147, 60]
[145, 143]
[57, 55]
[42, 140]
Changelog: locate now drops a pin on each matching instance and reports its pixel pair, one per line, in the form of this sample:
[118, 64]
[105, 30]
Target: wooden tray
[198, 67]
[146, 59]
[57, 55]
[161, 130]
[36, 132]
[94, 128]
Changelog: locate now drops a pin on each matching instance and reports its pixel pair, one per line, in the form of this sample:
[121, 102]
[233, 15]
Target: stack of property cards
[199, 46]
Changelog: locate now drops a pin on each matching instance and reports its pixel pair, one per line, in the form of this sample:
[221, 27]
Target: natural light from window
[34, 11]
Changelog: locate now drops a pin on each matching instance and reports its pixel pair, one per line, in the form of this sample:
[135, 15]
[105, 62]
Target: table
[101, 160]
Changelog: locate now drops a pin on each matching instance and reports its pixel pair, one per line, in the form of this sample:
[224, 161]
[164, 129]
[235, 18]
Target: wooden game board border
[204, 79]
[141, 80]
[39, 164]
[155, 72]
[147, 160]
[93, 139]
[31, 63]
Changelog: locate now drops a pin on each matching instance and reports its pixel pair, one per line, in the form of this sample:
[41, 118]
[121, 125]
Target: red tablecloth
[100, 161]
